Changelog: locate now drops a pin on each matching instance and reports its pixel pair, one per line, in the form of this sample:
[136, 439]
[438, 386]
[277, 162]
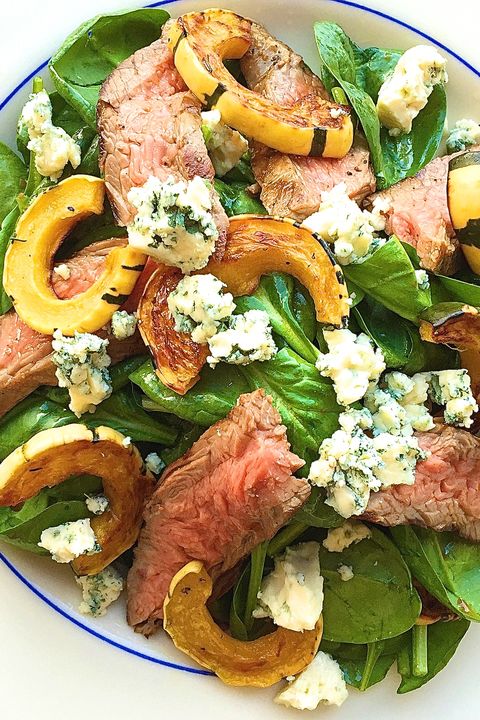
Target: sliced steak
[291, 185]
[150, 124]
[25, 354]
[446, 493]
[419, 216]
[233, 489]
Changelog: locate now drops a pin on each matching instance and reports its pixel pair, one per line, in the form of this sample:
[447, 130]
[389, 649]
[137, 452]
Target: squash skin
[29, 261]
[260, 244]
[452, 323]
[52, 456]
[176, 357]
[464, 204]
[257, 663]
[201, 41]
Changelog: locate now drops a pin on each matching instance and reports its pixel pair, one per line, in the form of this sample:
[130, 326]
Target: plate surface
[83, 665]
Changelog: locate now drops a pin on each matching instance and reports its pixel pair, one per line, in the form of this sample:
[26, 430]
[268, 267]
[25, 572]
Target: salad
[239, 347]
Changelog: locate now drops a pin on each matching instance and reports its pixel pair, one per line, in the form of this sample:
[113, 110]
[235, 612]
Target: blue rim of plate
[36, 591]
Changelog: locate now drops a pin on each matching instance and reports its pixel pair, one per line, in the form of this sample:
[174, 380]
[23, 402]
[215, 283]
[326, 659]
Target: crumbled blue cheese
[353, 232]
[123, 324]
[452, 388]
[350, 533]
[352, 363]
[399, 458]
[346, 572]
[154, 463]
[248, 338]
[99, 591]
[423, 280]
[394, 409]
[174, 222]
[465, 134]
[70, 540]
[52, 146]
[82, 363]
[292, 595]
[321, 682]
[406, 91]
[225, 145]
[97, 504]
[200, 307]
[62, 271]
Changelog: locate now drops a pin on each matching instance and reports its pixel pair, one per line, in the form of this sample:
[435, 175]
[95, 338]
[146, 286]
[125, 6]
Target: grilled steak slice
[233, 489]
[419, 216]
[291, 185]
[25, 354]
[150, 124]
[446, 493]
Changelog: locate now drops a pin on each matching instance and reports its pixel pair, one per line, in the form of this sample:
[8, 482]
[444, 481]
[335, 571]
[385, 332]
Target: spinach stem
[420, 650]
[374, 650]
[339, 96]
[285, 537]
[34, 178]
[257, 563]
[403, 661]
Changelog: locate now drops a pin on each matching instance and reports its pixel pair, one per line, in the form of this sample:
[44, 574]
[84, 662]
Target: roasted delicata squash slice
[452, 323]
[259, 244]
[30, 257]
[464, 204]
[201, 41]
[177, 359]
[259, 663]
[52, 456]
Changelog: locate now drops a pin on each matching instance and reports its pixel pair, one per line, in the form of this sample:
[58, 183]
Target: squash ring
[464, 204]
[258, 663]
[30, 257]
[201, 41]
[52, 456]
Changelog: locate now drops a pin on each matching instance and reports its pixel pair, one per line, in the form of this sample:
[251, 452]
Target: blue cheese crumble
[406, 91]
[353, 232]
[322, 682]
[225, 145]
[70, 540]
[174, 222]
[452, 388]
[350, 533]
[346, 572]
[422, 278]
[97, 504]
[123, 324]
[99, 591]
[82, 363]
[248, 338]
[53, 147]
[199, 306]
[154, 463]
[465, 134]
[292, 595]
[352, 363]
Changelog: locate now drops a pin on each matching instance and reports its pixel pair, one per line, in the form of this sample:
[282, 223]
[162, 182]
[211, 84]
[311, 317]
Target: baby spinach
[98, 46]
[242, 172]
[315, 513]
[13, 175]
[365, 665]
[305, 400]
[445, 564]
[236, 199]
[389, 277]
[443, 638]
[360, 72]
[244, 599]
[187, 436]
[379, 602]
[289, 308]
[7, 229]
[464, 292]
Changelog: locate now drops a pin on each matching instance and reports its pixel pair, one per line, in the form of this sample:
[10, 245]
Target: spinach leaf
[93, 50]
[304, 311]
[183, 443]
[400, 341]
[365, 665]
[242, 172]
[361, 72]
[305, 400]
[7, 229]
[443, 640]
[445, 564]
[236, 199]
[379, 602]
[211, 399]
[464, 292]
[13, 175]
[276, 295]
[389, 277]
[243, 625]
[315, 513]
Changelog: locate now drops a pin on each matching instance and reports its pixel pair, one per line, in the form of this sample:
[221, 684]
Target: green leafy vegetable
[360, 73]
[236, 199]
[7, 229]
[93, 50]
[184, 442]
[315, 513]
[13, 175]
[379, 602]
[443, 638]
[464, 292]
[241, 173]
[389, 277]
[244, 600]
[445, 564]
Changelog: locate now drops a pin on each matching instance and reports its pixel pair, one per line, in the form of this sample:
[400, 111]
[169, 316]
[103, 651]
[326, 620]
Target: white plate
[102, 665]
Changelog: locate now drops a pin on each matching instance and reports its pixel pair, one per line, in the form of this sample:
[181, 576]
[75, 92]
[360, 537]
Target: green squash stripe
[318, 142]
[465, 160]
[470, 234]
